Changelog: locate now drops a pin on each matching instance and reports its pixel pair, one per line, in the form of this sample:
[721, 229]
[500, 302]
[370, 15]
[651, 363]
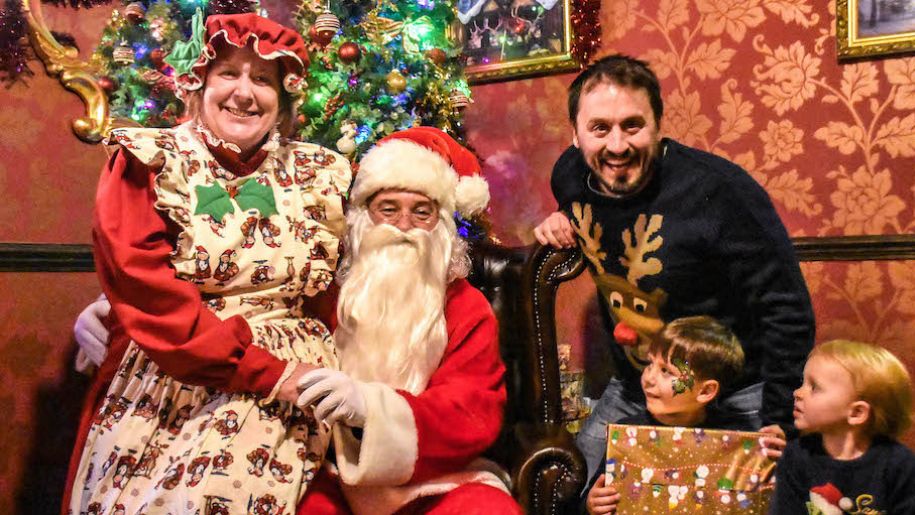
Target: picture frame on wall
[866, 28]
[512, 39]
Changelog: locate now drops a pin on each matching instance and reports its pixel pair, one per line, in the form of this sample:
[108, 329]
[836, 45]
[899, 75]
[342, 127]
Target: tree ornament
[135, 12]
[302, 119]
[459, 101]
[107, 84]
[437, 56]
[123, 54]
[347, 142]
[157, 29]
[349, 52]
[396, 82]
[332, 106]
[157, 56]
[319, 39]
[326, 27]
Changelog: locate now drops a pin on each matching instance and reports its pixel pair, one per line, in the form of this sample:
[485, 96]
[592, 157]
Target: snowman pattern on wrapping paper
[699, 487]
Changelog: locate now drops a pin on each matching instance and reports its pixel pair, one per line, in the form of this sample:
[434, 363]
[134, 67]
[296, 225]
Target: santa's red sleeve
[162, 313]
[411, 439]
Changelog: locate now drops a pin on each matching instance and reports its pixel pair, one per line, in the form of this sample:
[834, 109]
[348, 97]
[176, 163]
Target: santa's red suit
[427, 444]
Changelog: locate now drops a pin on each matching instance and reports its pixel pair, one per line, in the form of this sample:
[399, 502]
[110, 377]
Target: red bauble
[107, 84]
[157, 56]
[349, 52]
[320, 37]
[437, 56]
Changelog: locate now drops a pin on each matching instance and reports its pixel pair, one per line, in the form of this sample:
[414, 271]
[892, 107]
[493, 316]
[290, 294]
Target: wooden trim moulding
[46, 257]
[61, 257]
[856, 248]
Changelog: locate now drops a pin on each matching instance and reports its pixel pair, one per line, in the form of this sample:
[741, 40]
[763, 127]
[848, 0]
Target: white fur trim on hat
[472, 195]
[399, 163]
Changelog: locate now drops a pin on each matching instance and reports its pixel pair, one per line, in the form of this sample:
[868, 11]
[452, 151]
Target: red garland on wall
[585, 18]
[14, 53]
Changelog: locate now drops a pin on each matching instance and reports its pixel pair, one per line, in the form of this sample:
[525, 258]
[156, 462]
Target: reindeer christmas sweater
[701, 238]
[809, 480]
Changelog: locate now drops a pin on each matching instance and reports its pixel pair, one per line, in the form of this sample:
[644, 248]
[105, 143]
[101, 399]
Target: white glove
[91, 334]
[336, 396]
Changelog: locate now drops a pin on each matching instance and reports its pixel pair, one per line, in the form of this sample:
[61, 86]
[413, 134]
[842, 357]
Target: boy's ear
[858, 413]
[707, 390]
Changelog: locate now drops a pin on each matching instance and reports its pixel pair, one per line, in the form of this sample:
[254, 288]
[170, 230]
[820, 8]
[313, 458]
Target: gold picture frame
[866, 28]
[512, 39]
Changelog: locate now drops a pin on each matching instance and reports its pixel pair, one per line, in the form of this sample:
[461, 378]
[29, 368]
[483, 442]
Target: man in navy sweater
[670, 231]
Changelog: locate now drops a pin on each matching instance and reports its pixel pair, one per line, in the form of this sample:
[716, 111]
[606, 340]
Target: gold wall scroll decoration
[76, 75]
[853, 41]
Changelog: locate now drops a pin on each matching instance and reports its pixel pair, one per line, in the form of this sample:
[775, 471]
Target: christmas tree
[390, 67]
[375, 67]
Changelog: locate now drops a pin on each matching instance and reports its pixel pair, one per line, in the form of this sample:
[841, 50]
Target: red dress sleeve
[164, 314]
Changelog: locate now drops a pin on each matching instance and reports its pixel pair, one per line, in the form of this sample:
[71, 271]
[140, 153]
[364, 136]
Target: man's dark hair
[621, 70]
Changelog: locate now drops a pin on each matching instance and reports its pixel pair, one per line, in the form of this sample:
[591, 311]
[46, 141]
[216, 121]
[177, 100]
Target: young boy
[691, 361]
[855, 400]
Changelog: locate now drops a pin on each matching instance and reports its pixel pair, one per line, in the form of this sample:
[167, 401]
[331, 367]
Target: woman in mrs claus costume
[212, 241]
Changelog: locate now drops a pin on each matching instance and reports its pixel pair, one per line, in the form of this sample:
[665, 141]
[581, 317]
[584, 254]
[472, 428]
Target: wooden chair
[546, 468]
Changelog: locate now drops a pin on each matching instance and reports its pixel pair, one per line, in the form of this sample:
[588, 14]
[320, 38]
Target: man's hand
[336, 396]
[91, 334]
[773, 445]
[602, 499]
[555, 230]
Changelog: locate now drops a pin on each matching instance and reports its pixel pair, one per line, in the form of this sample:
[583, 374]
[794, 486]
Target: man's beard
[391, 309]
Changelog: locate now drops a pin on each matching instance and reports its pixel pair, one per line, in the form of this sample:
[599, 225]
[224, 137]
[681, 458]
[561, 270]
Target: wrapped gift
[688, 470]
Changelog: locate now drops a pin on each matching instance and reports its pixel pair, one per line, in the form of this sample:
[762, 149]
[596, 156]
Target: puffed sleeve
[162, 313]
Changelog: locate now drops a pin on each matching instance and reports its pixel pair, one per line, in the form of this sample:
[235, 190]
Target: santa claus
[420, 393]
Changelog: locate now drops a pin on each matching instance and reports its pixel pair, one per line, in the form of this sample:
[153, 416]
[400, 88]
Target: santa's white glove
[336, 397]
[91, 334]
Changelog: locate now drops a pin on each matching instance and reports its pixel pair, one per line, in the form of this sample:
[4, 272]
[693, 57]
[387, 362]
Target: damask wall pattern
[758, 82]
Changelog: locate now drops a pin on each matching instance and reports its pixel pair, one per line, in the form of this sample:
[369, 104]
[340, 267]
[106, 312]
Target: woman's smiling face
[241, 97]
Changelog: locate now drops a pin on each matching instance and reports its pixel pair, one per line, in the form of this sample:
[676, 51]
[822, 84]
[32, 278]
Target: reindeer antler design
[636, 249]
[590, 234]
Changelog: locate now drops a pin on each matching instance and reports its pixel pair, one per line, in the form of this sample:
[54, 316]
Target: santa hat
[268, 39]
[428, 161]
[827, 498]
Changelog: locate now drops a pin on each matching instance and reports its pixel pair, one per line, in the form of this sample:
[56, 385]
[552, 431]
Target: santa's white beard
[391, 320]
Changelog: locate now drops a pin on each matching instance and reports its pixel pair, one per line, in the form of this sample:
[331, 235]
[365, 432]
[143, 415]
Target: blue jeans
[618, 402]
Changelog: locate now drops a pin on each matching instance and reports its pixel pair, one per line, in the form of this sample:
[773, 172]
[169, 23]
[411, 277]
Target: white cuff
[387, 453]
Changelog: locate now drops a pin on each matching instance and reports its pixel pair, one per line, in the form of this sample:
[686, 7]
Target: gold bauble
[396, 82]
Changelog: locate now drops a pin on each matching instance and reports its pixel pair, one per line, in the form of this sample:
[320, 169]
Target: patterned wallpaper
[755, 81]
[758, 82]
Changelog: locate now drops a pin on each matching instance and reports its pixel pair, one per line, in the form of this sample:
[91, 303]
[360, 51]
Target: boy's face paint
[686, 380]
[670, 387]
